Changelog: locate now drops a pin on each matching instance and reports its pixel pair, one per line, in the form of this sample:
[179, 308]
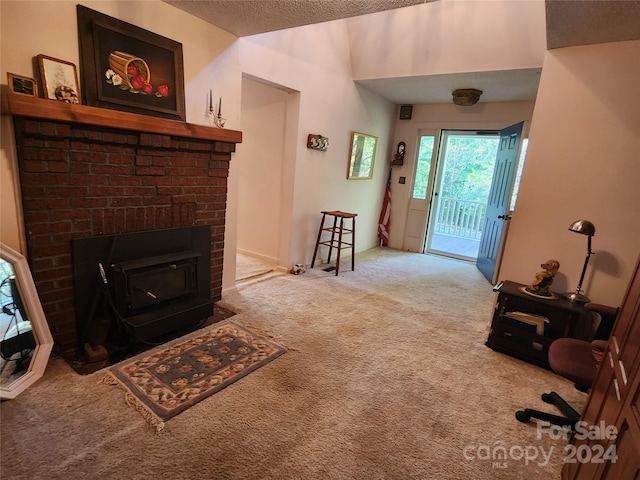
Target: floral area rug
[167, 380]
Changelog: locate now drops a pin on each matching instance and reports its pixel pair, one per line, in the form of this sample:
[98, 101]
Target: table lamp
[585, 228]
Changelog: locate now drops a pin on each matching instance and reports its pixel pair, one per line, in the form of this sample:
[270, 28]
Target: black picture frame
[405, 112]
[22, 85]
[125, 67]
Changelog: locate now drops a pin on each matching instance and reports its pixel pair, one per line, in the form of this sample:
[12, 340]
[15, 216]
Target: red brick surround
[81, 180]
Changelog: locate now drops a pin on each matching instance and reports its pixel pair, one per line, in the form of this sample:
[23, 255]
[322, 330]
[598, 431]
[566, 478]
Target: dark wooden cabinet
[614, 401]
[513, 330]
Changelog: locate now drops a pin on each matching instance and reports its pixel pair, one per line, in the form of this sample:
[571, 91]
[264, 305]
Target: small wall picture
[22, 85]
[362, 156]
[59, 79]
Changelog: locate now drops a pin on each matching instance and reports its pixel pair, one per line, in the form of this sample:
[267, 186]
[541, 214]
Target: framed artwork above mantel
[125, 67]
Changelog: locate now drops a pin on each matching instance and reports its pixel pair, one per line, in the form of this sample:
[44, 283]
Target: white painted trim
[39, 326]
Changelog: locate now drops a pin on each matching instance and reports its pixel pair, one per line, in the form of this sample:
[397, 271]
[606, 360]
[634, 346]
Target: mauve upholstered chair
[578, 361]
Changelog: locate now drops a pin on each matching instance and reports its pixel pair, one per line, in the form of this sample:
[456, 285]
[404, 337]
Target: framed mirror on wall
[25, 338]
[362, 156]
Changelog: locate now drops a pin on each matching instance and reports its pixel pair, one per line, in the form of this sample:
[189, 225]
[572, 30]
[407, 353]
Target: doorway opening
[462, 183]
[454, 171]
[265, 172]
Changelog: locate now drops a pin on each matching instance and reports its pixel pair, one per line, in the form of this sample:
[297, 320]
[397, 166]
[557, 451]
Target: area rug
[165, 381]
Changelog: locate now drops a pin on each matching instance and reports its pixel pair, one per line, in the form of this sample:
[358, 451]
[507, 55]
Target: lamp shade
[585, 227]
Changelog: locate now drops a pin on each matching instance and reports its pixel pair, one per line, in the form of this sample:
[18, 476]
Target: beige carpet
[387, 377]
[249, 267]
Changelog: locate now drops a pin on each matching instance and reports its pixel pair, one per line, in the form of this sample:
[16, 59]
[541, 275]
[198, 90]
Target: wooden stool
[338, 243]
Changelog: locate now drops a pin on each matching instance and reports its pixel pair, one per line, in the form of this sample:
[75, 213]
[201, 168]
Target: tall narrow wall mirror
[25, 338]
[362, 156]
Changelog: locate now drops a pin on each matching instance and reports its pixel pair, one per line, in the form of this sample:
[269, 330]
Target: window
[516, 184]
[423, 169]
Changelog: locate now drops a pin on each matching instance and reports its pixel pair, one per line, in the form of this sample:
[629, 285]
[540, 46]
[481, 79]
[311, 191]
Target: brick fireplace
[87, 171]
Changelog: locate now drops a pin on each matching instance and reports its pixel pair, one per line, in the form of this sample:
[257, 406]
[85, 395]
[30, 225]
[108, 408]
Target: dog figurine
[544, 279]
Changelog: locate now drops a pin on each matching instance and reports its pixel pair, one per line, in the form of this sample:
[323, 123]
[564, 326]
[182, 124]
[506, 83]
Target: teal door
[495, 226]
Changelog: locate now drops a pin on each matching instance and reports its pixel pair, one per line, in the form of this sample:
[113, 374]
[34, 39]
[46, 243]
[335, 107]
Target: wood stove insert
[139, 286]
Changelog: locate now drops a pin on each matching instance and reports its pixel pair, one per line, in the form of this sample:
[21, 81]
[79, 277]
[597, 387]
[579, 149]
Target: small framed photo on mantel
[22, 85]
[59, 79]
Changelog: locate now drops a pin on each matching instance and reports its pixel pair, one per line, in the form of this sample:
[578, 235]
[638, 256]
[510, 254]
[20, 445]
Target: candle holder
[215, 119]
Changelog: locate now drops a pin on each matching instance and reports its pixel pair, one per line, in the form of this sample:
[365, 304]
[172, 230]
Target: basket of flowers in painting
[131, 73]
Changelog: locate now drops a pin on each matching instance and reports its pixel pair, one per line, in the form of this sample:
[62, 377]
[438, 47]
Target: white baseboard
[266, 258]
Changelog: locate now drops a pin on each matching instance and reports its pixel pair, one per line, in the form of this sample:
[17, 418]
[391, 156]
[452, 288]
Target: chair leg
[315, 251]
[333, 237]
[353, 244]
[339, 245]
[568, 421]
[527, 414]
[569, 412]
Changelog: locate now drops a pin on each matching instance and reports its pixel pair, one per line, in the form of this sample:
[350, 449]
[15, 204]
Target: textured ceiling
[249, 17]
[586, 22]
[569, 23]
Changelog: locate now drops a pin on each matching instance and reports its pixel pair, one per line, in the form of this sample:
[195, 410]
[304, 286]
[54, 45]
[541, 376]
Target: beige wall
[448, 37]
[583, 162]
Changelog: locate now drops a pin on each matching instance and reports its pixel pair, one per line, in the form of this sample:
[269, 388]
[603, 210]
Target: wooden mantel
[32, 107]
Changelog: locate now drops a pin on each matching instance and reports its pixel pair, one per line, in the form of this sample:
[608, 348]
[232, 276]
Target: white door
[421, 192]
[494, 231]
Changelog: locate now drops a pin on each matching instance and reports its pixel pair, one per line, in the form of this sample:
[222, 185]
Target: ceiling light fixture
[465, 97]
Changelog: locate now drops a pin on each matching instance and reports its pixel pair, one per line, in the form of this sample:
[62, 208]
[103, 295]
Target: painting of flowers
[128, 68]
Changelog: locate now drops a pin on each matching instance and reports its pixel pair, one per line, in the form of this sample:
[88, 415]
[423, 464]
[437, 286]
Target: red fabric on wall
[385, 215]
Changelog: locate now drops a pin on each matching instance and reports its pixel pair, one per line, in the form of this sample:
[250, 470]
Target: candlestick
[215, 118]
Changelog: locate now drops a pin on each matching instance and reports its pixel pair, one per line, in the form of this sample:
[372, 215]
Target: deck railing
[460, 218]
